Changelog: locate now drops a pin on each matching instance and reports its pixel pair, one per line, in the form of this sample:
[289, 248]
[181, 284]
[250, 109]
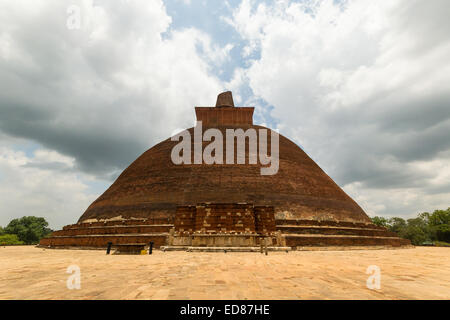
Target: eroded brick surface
[225, 218]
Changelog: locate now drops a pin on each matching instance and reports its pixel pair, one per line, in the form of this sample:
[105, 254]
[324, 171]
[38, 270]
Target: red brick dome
[152, 186]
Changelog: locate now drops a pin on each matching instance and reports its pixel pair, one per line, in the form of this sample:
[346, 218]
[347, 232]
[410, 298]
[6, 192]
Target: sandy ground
[27, 272]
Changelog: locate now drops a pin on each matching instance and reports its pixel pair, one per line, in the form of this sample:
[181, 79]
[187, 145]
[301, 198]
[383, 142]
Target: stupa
[199, 205]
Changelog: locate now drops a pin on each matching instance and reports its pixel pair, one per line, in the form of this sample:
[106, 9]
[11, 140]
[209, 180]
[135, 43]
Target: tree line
[26, 230]
[426, 229]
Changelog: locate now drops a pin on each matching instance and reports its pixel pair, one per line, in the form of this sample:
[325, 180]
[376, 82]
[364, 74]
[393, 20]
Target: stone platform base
[223, 249]
[348, 248]
[294, 233]
[316, 240]
[220, 240]
[101, 241]
[96, 235]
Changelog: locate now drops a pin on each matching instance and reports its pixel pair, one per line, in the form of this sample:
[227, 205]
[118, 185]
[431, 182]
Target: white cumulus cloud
[363, 86]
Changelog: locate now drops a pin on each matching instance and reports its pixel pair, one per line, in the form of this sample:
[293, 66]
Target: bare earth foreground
[27, 272]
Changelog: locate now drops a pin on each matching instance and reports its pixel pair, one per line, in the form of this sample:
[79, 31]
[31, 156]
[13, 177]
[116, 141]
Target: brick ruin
[223, 225]
[233, 218]
[194, 206]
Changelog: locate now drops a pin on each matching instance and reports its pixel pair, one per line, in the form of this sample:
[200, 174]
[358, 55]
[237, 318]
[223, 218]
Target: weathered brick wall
[98, 234]
[125, 222]
[225, 218]
[113, 230]
[299, 232]
[264, 219]
[185, 219]
[344, 241]
[325, 230]
[310, 222]
[212, 116]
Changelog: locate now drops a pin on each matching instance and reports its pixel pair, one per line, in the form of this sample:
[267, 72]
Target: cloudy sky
[362, 86]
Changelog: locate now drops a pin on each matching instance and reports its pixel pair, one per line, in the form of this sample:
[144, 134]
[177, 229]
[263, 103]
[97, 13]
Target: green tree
[414, 234]
[396, 224]
[29, 230]
[380, 221]
[9, 239]
[439, 217]
[1, 231]
[439, 224]
[416, 230]
[425, 228]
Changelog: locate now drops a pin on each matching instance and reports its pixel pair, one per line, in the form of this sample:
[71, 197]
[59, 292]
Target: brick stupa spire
[225, 99]
[225, 113]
